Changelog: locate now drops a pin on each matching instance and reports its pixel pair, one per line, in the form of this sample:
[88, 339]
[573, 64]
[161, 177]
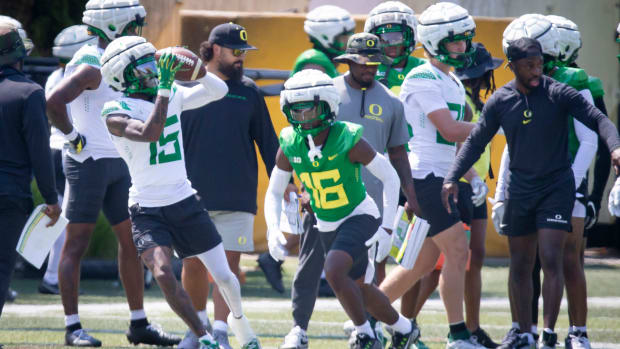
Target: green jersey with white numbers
[577, 79]
[394, 77]
[334, 183]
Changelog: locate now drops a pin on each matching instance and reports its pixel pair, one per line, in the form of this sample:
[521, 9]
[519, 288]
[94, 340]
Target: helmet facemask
[309, 117]
[462, 60]
[393, 35]
[141, 76]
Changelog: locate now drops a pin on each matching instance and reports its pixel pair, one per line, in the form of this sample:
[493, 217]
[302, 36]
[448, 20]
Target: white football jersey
[86, 109]
[158, 174]
[57, 140]
[425, 90]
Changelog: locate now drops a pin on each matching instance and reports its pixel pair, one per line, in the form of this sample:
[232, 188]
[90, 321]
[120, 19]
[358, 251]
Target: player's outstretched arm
[210, 89]
[85, 77]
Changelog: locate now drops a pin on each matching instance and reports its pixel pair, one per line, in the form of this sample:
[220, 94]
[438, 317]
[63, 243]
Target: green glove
[167, 70]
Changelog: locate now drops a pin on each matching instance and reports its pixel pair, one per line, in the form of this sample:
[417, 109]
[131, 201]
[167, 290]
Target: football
[192, 68]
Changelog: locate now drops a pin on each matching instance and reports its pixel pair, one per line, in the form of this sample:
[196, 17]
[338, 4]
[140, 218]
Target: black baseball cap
[363, 48]
[230, 35]
[483, 62]
[523, 48]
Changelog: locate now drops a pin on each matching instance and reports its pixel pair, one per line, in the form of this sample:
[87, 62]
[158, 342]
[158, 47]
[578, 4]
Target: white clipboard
[36, 239]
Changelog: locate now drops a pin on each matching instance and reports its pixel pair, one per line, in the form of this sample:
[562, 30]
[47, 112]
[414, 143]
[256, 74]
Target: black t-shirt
[537, 142]
[219, 147]
[24, 138]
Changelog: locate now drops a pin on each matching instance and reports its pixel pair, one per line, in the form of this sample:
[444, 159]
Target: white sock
[548, 330]
[402, 325]
[365, 328]
[217, 265]
[137, 314]
[71, 319]
[534, 329]
[515, 325]
[220, 325]
[51, 273]
[202, 315]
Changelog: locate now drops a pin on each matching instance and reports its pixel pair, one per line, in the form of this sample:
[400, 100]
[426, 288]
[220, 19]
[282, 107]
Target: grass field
[36, 321]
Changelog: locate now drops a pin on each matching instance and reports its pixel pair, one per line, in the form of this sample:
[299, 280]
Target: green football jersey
[394, 77]
[314, 56]
[596, 87]
[333, 181]
[578, 79]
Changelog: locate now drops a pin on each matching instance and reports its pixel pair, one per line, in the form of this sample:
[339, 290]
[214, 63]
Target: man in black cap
[222, 165]
[24, 149]
[533, 111]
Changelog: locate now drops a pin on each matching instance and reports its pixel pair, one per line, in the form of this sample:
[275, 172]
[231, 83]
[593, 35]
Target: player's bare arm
[123, 126]
[84, 78]
[362, 152]
[450, 129]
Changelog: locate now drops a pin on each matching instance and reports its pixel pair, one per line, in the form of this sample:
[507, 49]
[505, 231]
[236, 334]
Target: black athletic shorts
[428, 192]
[351, 237]
[95, 185]
[550, 208]
[480, 212]
[58, 171]
[184, 226]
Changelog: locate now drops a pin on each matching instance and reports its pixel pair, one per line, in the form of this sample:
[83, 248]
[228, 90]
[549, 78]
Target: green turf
[44, 328]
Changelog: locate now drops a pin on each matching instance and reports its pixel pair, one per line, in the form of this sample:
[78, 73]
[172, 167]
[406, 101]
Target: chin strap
[314, 151]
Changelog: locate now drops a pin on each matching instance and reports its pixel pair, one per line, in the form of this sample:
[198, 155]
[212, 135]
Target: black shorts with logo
[550, 208]
[351, 237]
[184, 226]
[428, 192]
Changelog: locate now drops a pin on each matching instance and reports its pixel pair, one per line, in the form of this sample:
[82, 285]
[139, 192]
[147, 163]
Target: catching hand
[167, 70]
[383, 239]
[276, 242]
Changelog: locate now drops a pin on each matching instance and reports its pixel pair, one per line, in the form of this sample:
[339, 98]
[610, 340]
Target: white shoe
[221, 337]
[189, 341]
[295, 339]
[577, 340]
[207, 342]
[242, 330]
[348, 328]
[463, 344]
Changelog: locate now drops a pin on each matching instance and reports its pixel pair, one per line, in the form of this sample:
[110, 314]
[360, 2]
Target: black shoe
[325, 290]
[511, 338]
[404, 341]
[483, 338]
[151, 334]
[47, 288]
[80, 338]
[548, 340]
[11, 294]
[272, 270]
[364, 341]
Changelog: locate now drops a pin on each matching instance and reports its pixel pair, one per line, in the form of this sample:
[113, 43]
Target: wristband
[164, 92]
[71, 136]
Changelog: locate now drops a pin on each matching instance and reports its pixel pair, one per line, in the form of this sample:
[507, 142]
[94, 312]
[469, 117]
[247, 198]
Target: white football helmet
[28, 44]
[390, 13]
[533, 26]
[325, 23]
[445, 22]
[312, 86]
[128, 65]
[70, 39]
[110, 19]
[569, 41]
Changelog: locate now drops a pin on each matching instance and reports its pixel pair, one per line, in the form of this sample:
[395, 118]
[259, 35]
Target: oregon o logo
[401, 76]
[370, 43]
[244, 35]
[527, 113]
[375, 109]
[242, 240]
[315, 163]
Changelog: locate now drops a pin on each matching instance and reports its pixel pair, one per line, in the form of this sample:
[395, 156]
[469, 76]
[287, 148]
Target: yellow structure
[280, 39]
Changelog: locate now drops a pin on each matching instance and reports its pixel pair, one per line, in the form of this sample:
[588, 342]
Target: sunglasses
[237, 52]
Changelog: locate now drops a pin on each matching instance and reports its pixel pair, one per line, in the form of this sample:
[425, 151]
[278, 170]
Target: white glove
[497, 214]
[614, 199]
[480, 191]
[383, 239]
[276, 242]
